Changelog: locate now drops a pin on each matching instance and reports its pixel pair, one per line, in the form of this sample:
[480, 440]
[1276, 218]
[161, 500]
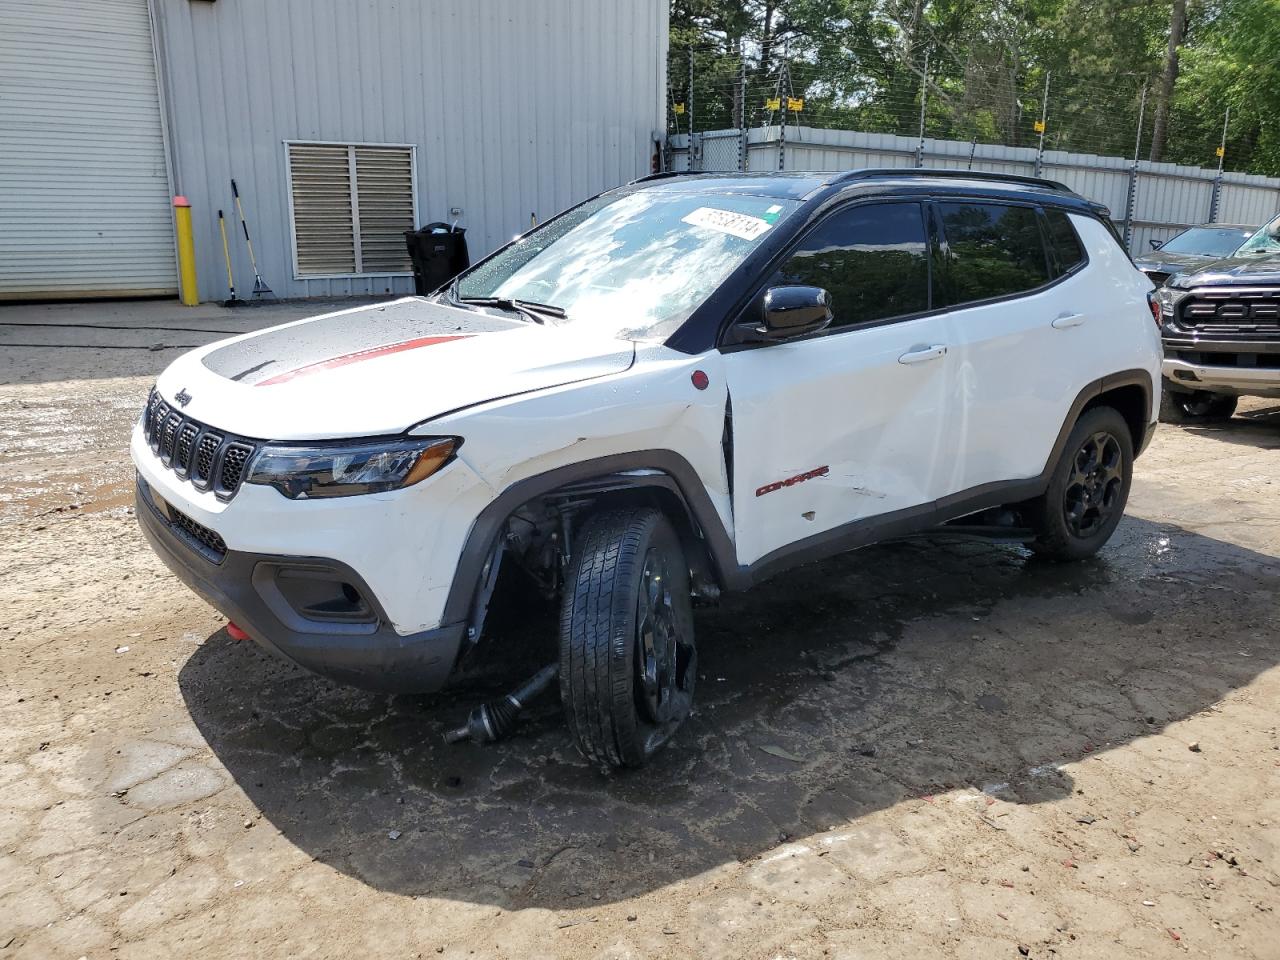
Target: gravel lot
[923, 749]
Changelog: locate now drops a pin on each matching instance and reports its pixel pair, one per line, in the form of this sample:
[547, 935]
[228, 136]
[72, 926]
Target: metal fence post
[1132, 201]
[742, 110]
[1216, 198]
[1129, 204]
[924, 100]
[1044, 122]
[689, 108]
[784, 80]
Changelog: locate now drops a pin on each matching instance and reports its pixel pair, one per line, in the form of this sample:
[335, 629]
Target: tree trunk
[766, 40]
[1177, 28]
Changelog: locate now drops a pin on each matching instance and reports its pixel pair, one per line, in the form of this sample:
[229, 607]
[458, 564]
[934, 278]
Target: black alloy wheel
[666, 661]
[1093, 490]
[1088, 488]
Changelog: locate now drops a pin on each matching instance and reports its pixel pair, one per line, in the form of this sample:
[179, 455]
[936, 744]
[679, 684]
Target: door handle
[924, 354]
[1068, 320]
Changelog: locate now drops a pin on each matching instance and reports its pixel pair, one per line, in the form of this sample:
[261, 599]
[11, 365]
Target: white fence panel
[1248, 199]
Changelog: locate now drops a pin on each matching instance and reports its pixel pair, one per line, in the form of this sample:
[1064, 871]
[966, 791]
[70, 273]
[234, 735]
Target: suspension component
[496, 719]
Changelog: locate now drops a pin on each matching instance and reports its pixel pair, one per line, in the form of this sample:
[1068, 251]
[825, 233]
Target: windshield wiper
[529, 308]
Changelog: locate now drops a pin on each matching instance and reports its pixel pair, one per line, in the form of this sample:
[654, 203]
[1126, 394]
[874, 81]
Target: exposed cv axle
[496, 719]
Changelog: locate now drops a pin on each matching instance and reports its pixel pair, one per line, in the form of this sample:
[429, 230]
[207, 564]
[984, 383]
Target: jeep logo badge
[183, 397]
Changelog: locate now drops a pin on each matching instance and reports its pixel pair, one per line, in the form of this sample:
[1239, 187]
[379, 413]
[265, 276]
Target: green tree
[860, 64]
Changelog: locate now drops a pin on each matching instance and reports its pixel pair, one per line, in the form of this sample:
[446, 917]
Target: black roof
[801, 185]
[784, 185]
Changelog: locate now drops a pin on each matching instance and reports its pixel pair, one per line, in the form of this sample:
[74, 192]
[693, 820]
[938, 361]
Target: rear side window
[994, 250]
[873, 259]
[1062, 238]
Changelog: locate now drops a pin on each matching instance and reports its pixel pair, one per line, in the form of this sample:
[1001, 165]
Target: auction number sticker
[727, 221]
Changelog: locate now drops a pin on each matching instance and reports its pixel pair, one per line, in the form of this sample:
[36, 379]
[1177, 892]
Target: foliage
[859, 64]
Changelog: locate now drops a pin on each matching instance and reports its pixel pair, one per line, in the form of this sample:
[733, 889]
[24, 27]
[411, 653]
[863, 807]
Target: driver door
[849, 424]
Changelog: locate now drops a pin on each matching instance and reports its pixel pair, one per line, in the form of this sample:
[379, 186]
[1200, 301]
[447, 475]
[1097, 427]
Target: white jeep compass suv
[679, 387]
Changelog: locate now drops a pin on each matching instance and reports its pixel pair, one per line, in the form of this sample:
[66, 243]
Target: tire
[1088, 490]
[628, 662]
[1198, 407]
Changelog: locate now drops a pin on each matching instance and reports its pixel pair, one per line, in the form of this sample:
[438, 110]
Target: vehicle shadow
[834, 691]
[1256, 425]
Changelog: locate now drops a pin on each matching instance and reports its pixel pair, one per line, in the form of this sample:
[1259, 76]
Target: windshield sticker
[727, 221]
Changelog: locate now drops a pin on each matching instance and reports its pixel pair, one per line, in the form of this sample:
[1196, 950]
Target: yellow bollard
[186, 252]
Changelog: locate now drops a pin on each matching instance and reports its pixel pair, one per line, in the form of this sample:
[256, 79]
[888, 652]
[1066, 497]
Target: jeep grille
[208, 458]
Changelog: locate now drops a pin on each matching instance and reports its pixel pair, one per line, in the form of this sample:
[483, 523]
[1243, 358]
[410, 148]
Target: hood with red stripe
[380, 369]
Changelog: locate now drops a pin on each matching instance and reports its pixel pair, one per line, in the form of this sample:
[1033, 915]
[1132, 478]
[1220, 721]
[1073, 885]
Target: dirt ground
[925, 749]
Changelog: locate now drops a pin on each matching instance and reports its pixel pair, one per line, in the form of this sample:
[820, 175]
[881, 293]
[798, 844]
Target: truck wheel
[1198, 407]
[627, 656]
[1088, 489]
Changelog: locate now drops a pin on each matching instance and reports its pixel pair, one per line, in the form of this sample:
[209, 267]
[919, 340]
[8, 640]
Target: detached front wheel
[627, 657]
[1088, 490]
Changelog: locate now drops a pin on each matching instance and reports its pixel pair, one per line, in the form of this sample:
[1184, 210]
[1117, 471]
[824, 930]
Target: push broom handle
[244, 226]
[226, 253]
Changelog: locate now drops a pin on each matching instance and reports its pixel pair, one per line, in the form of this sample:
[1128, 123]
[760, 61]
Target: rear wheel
[627, 657]
[1088, 490]
[1198, 407]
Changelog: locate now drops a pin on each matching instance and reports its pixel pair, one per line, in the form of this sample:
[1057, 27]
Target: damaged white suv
[678, 387]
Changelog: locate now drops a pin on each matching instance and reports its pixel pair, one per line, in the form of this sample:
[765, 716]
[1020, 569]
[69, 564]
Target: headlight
[1166, 298]
[306, 473]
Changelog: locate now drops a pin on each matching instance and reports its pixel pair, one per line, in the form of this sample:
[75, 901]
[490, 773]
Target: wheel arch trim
[639, 470]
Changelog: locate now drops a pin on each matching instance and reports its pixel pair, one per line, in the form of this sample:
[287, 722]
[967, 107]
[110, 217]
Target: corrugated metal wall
[1169, 196]
[514, 106]
[84, 193]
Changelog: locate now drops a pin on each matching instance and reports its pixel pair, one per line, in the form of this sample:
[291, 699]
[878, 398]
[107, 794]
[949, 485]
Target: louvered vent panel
[322, 209]
[384, 193]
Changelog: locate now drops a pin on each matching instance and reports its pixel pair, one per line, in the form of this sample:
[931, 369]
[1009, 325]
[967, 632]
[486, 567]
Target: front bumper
[258, 592]
[1239, 381]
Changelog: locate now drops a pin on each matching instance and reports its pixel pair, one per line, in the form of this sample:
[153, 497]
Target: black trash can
[439, 253]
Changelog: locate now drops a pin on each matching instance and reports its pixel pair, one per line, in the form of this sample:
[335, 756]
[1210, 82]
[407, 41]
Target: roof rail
[661, 176]
[869, 172]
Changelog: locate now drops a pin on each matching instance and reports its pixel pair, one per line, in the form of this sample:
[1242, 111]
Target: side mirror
[781, 313]
[1155, 244]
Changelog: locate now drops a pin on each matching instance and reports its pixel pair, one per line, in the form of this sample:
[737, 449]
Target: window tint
[872, 259]
[1066, 245]
[994, 250]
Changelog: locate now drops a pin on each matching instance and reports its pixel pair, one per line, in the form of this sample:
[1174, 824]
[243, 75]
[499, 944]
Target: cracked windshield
[633, 266]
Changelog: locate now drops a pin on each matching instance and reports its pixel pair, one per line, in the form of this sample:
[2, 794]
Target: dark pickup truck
[1221, 331]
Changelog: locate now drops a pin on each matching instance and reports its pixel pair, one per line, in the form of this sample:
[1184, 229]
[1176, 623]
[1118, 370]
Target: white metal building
[343, 122]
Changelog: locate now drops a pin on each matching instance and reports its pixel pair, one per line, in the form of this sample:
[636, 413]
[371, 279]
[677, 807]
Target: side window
[995, 250]
[1063, 239]
[871, 258]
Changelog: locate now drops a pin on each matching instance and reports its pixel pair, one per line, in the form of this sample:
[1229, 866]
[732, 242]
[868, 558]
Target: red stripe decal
[359, 355]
